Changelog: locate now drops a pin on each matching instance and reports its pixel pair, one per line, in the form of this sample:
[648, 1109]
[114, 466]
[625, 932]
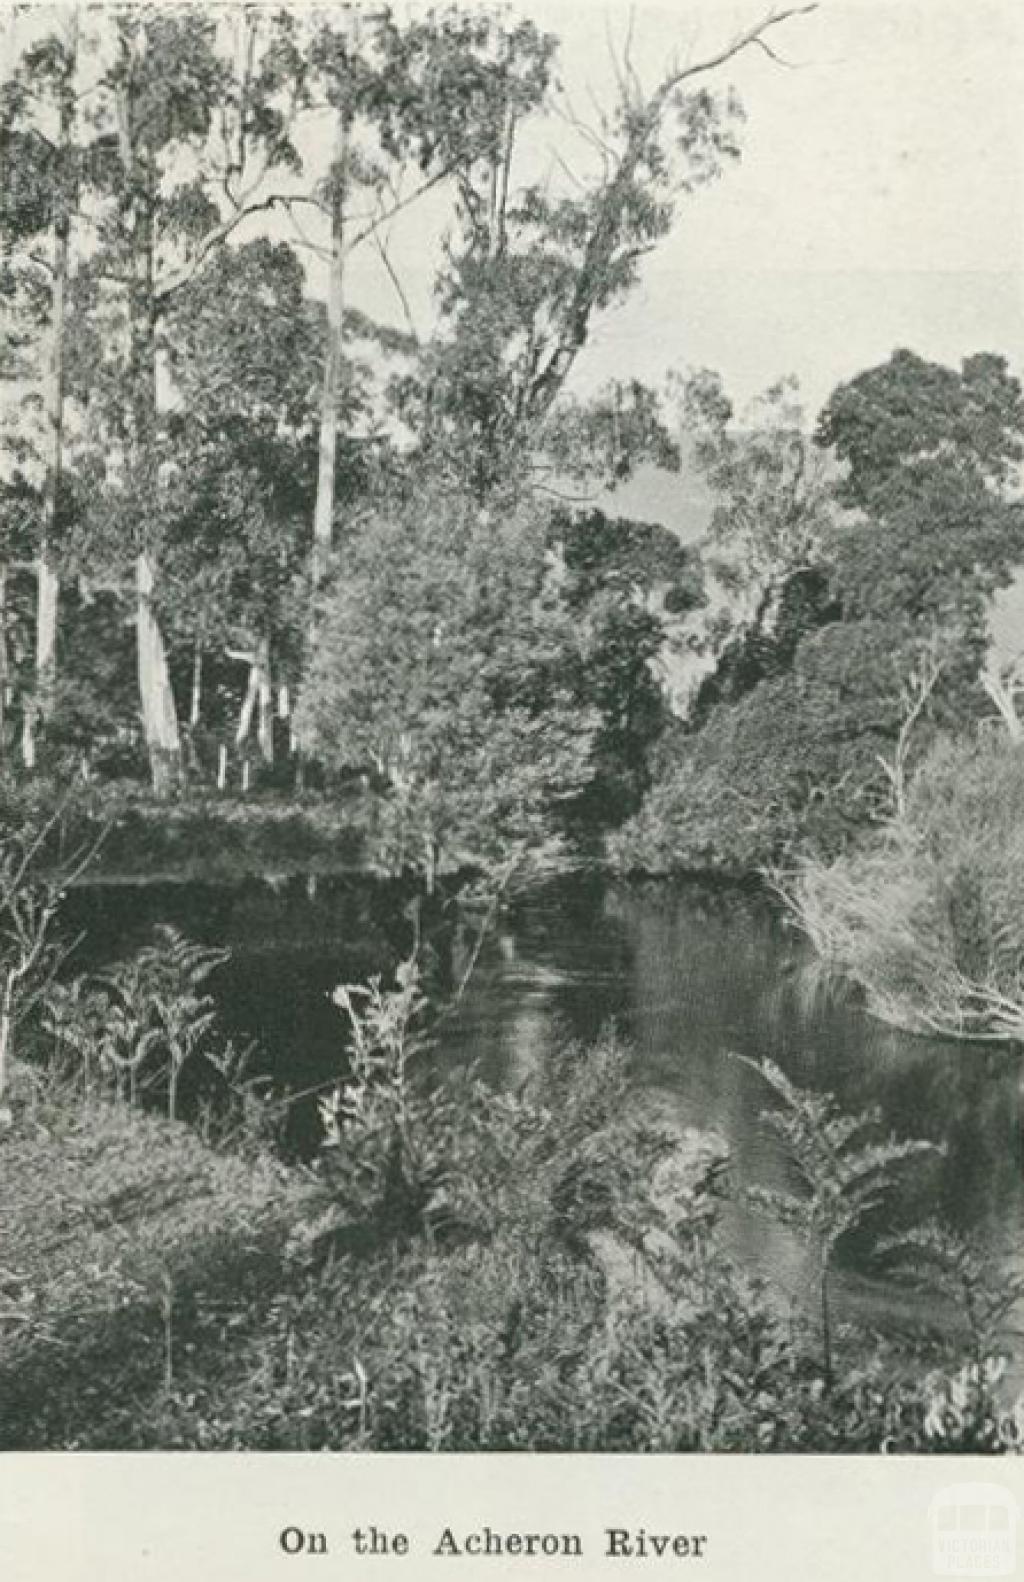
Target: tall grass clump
[928, 920]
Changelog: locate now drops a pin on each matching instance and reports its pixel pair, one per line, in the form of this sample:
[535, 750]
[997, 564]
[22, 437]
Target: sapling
[844, 1176]
[146, 1018]
[173, 972]
[33, 884]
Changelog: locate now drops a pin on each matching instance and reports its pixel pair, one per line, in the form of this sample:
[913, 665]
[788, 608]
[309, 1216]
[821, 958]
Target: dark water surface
[689, 974]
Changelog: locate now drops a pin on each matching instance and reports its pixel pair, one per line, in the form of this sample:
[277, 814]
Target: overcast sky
[879, 201]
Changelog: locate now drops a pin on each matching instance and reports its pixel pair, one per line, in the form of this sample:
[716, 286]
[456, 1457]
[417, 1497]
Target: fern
[935, 1258]
[844, 1176]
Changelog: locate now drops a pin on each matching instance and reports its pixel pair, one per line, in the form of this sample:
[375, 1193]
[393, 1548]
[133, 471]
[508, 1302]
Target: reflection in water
[689, 974]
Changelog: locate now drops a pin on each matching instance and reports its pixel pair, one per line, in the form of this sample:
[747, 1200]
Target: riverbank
[516, 1184]
[158, 1292]
[204, 836]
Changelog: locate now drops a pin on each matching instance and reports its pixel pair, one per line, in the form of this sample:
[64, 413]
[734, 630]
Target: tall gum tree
[194, 129]
[40, 181]
[47, 580]
[414, 106]
[243, 343]
[527, 270]
[531, 265]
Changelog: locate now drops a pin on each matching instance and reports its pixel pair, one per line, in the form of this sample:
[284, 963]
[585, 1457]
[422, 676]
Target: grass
[225, 838]
[117, 1230]
[201, 835]
[158, 1293]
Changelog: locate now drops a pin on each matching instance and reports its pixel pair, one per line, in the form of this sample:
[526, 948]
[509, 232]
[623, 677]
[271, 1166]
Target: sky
[879, 201]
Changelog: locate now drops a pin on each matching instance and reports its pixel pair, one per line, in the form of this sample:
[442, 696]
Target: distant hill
[680, 500]
[683, 502]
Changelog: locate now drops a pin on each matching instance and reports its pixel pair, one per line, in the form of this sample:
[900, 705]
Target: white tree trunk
[196, 707]
[331, 392]
[156, 697]
[159, 715]
[258, 702]
[248, 706]
[265, 700]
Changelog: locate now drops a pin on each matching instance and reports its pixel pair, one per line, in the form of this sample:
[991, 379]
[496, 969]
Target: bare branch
[774, 55]
[604, 150]
[385, 216]
[753, 36]
[568, 499]
[601, 243]
[559, 160]
[627, 55]
[385, 258]
[620, 76]
[40, 262]
[304, 240]
[220, 233]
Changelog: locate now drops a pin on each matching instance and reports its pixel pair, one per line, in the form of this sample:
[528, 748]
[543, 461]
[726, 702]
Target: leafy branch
[844, 1177]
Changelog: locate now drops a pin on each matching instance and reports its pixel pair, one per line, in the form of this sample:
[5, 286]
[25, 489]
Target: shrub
[461, 1270]
[927, 919]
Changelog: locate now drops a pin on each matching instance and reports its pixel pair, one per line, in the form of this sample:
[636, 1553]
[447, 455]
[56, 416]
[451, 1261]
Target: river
[691, 974]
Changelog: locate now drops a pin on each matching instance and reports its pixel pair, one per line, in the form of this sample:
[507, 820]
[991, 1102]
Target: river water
[691, 975]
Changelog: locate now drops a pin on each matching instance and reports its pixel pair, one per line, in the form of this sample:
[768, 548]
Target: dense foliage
[198, 450]
[441, 666]
[281, 581]
[459, 1272]
[868, 603]
[256, 539]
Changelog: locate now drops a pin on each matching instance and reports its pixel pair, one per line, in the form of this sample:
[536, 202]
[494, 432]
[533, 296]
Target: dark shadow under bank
[689, 971]
[206, 836]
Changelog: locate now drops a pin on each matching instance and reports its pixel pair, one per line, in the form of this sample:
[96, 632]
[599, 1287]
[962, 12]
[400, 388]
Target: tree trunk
[330, 398]
[196, 709]
[40, 708]
[48, 587]
[6, 1027]
[159, 716]
[156, 697]
[258, 701]
[248, 705]
[265, 700]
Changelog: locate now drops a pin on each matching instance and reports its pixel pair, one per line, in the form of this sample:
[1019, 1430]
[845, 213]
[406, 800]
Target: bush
[440, 669]
[461, 1270]
[927, 920]
[793, 765]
